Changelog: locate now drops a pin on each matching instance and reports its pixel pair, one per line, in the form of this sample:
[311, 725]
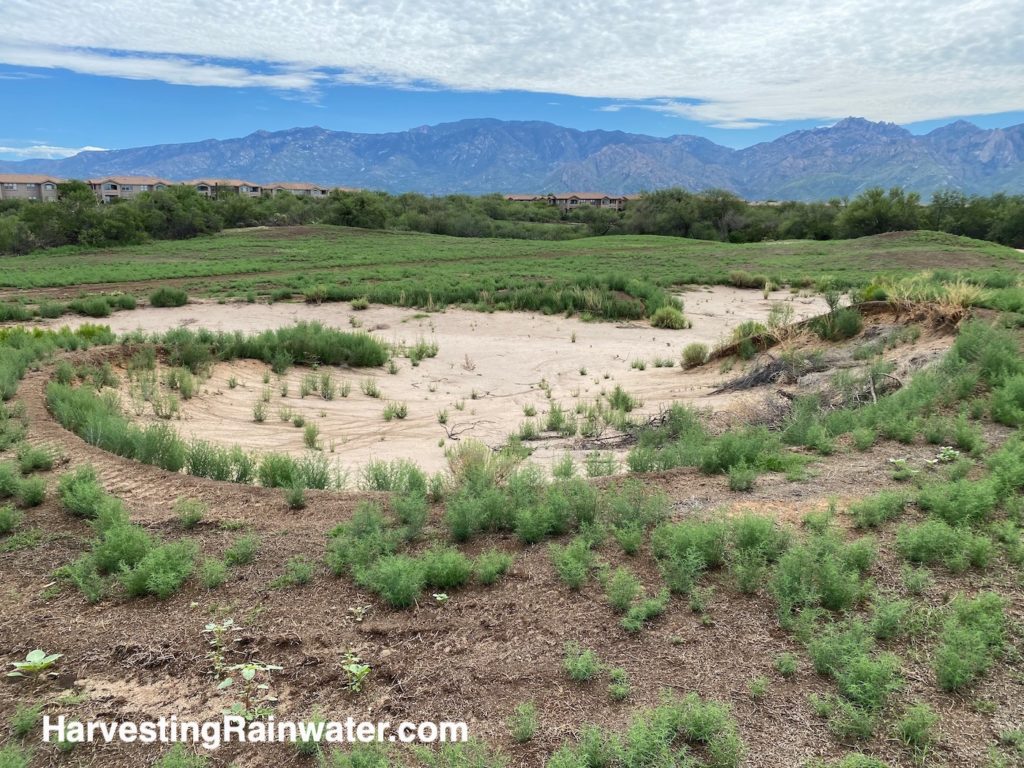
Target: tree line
[77, 218]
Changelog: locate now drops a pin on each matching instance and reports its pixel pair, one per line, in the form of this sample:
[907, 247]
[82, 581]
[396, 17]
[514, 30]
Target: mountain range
[486, 155]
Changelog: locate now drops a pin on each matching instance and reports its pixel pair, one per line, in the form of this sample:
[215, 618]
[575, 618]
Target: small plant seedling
[441, 599]
[618, 688]
[37, 663]
[758, 688]
[256, 701]
[355, 671]
[785, 664]
[359, 612]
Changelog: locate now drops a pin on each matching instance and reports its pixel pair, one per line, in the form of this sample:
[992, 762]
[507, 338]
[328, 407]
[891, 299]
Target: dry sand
[491, 365]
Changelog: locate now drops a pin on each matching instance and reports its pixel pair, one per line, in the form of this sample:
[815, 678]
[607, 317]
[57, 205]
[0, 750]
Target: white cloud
[723, 62]
[43, 152]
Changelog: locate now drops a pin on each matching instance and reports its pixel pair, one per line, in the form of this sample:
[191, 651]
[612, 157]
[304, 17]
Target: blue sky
[115, 74]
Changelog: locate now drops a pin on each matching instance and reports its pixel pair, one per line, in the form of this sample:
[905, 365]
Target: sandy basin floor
[488, 369]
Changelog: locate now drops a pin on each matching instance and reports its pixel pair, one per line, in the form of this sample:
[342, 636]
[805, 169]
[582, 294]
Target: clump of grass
[167, 296]
[916, 729]
[190, 512]
[786, 665]
[622, 589]
[972, 638]
[573, 562]
[242, 551]
[295, 496]
[936, 542]
[694, 354]
[645, 610]
[395, 410]
[213, 573]
[162, 571]
[872, 511]
[298, 571]
[369, 388]
[581, 665]
[491, 565]
[397, 579]
[618, 685]
[523, 723]
[669, 317]
[10, 518]
[446, 568]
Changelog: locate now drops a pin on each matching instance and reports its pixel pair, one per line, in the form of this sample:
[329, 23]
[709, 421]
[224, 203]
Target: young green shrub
[34, 459]
[618, 684]
[25, 720]
[641, 613]
[213, 573]
[10, 518]
[13, 756]
[298, 571]
[445, 568]
[80, 492]
[972, 638]
[523, 723]
[935, 541]
[397, 579]
[581, 665]
[916, 729]
[872, 511]
[162, 571]
[311, 437]
[622, 589]
[178, 756]
[190, 512]
[121, 546]
[491, 565]
[295, 497]
[742, 476]
[572, 562]
[242, 551]
[166, 296]
[786, 665]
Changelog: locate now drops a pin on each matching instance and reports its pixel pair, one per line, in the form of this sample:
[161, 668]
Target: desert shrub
[445, 568]
[695, 354]
[671, 541]
[993, 352]
[863, 438]
[785, 664]
[523, 723]
[178, 756]
[622, 589]
[972, 637]
[669, 317]
[645, 610]
[741, 476]
[365, 538]
[91, 306]
[10, 518]
[841, 324]
[822, 572]
[411, 511]
[120, 547]
[757, 532]
[34, 459]
[10, 480]
[162, 571]
[213, 573]
[13, 756]
[491, 565]
[80, 492]
[295, 497]
[190, 512]
[844, 654]
[573, 561]
[397, 579]
[916, 728]
[242, 551]
[31, 492]
[961, 501]
[888, 617]
[580, 664]
[935, 541]
[399, 476]
[166, 296]
[1007, 402]
[872, 511]
[278, 470]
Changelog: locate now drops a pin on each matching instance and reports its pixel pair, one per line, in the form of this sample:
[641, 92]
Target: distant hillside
[479, 156]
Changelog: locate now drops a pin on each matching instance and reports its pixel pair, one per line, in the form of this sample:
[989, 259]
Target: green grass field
[298, 257]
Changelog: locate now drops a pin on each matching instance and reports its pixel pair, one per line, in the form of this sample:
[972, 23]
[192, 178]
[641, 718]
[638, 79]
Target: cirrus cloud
[735, 63]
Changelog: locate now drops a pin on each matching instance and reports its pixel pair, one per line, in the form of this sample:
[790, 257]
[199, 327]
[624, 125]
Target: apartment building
[28, 186]
[215, 187]
[570, 201]
[297, 188]
[114, 188]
